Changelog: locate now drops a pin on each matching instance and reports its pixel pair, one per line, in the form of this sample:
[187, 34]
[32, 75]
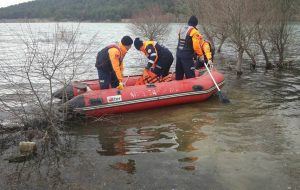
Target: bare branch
[151, 24]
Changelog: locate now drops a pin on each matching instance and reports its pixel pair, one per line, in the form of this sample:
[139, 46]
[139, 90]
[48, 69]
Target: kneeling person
[160, 58]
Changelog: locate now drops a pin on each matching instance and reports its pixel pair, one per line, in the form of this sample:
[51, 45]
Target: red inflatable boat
[96, 102]
[79, 87]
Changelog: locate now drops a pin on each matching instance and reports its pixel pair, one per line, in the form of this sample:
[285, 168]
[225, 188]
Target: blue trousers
[107, 78]
[184, 65]
[164, 61]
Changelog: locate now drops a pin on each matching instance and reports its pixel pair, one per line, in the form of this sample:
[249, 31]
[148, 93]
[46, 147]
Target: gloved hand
[121, 86]
[201, 58]
[199, 63]
[149, 65]
[145, 72]
[152, 69]
[210, 64]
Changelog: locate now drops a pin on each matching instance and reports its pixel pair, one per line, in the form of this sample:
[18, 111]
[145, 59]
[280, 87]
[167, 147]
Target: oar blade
[223, 98]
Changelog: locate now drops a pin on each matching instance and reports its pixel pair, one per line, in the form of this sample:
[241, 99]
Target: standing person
[159, 57]
[189, 40]
[208, 52]
[109, 64]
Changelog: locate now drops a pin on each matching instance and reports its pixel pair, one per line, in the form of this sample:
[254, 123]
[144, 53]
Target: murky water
[252, 143]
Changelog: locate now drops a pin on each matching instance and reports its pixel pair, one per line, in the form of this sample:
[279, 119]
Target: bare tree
[261, 22]
[280, 30]
[224, 20]
[31, 77]
[272, 29]
[151, 23]
[248, 26]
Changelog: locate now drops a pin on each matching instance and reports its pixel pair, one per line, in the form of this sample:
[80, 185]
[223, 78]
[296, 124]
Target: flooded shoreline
[252, 143]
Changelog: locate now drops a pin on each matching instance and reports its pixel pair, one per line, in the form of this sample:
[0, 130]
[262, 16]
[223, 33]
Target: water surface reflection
[136, 136]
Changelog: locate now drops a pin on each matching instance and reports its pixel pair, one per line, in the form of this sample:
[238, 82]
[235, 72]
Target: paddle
[126, 80]
[222, 98]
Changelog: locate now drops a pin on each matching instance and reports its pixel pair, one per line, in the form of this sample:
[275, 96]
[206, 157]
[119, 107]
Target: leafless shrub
[280, 30]
[30, 77]
[47, 62]
[273, 32]
[248, 26]
[151, 24]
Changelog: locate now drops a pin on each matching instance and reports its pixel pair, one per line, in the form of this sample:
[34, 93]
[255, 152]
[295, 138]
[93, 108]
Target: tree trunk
[209, 37]
[239, 62]
[253, 61]
[221, 43]
[281, 57]
[263, 48]
[268, 64]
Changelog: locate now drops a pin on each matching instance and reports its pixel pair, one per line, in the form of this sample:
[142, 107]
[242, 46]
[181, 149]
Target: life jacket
[185, 41]
[103, 61]
[212, 50]
[149, 77]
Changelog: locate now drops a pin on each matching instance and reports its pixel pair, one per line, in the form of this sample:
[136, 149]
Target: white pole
[212, 77]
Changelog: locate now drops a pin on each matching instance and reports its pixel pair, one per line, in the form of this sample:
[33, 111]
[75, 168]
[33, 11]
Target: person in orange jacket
[159, 57]
[208, 52]
[189, 40]
[109, 64]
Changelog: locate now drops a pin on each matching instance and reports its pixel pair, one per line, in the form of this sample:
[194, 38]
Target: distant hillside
[92, 10]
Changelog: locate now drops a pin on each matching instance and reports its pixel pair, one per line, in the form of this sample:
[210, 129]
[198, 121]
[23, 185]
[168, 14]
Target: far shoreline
[86, 21]
[61, 21]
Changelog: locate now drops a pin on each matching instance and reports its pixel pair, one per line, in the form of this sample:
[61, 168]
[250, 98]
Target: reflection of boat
[116, 140]
[99, 102]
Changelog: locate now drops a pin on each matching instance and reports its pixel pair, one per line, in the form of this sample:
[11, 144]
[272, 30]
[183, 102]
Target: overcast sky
[5, 3]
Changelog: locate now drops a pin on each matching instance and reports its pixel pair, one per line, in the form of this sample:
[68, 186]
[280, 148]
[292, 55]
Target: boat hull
[133, 98]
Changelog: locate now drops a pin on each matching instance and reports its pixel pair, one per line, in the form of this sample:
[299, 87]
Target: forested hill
[92, 10]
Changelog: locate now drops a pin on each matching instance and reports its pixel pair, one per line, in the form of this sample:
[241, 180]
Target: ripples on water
[252, 143]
